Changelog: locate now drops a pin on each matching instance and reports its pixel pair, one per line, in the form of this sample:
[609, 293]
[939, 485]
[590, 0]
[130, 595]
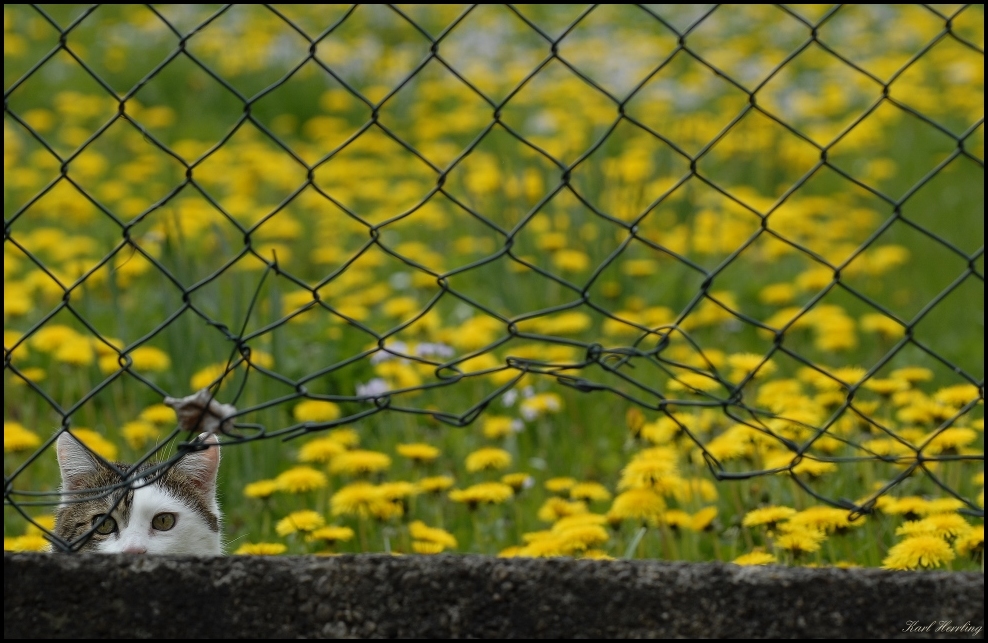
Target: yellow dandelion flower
[677, 519]
[261, 359]
[568, 260]
[806, 466]
[511, 552]
[435, 484]
[355, 499]
[32, 374]
[693, 383]
[972, 543]
[488, 458]
[108, 364]
[596, 554]
[846, 564]
[498, 426]
[703, 519]
[886, 386]
[96, 443]
[589, 491]
[957, 395]
[919, 551]
[951, 439]
[206, 377]
[560, 485]
[755, 558]
[696, 488]
[76, 352]
[11, 337]
[320, 450]
[637, 504]
[261, 549]
[330, 535]
[301, 480]
[820, 381]
[767, 516]
[882, 325]
[44, 522]
[261, 488]
[824, 519]
[482, 493]
[662, 431]
[427, 547]
[159, 414]
[568, 323]
[17, 438]
[581, 537]
[635, 420]
[518, 481]
[640, 267]
[544, 545]
[913, 374]
[345, 436]
[910, 506]
[139, 433]
[941, 506]
[51, 337]
[907, 505]
[777, 294]
[420, 531]
[745, 363]
[364, 500]
[800, 541]
[849, 375]
[652, 470]
[305, 520]
[947, 526]
[316, 411]
[578, 520]
[555, 508]
[359, 462]
[418, 452]
[149, 358]
[27, 542]
[398, 490]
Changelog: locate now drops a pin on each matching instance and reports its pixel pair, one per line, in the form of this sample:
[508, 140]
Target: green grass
[497, 193]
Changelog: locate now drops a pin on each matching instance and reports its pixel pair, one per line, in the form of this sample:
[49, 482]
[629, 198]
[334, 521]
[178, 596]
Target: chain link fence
[760, 229]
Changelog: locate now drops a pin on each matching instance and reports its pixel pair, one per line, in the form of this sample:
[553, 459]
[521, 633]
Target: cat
[176, 513]
[170, 512]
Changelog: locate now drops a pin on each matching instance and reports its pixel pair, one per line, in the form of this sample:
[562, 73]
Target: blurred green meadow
[510, 280]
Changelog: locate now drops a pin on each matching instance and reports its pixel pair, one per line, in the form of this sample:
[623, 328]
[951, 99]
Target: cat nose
[135, 548]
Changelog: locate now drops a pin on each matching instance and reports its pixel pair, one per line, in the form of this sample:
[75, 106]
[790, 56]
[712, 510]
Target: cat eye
[108, 526]
[163, 521]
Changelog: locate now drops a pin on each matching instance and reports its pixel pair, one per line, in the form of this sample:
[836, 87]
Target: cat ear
[201, 466]
[75, 462]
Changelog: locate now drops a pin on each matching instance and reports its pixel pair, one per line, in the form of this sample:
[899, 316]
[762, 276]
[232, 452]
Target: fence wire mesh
[753, 235]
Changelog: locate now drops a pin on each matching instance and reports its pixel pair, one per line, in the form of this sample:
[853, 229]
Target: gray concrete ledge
[80, 596]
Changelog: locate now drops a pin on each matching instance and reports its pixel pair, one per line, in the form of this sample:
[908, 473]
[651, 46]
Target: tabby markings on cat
[175, 512]
[170, 512]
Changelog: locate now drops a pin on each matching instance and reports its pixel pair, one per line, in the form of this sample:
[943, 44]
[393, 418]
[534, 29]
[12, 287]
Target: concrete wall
[48, 595]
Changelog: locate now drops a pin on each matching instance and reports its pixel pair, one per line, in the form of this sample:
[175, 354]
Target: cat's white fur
[190, 535]
[188, 492]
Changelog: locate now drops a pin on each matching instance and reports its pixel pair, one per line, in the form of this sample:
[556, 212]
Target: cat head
[175, 512]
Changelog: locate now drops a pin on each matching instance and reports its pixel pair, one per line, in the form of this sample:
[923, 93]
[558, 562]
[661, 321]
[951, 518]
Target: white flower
[373, 388]
[400, 280]
[427, 349]
[389, 352]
